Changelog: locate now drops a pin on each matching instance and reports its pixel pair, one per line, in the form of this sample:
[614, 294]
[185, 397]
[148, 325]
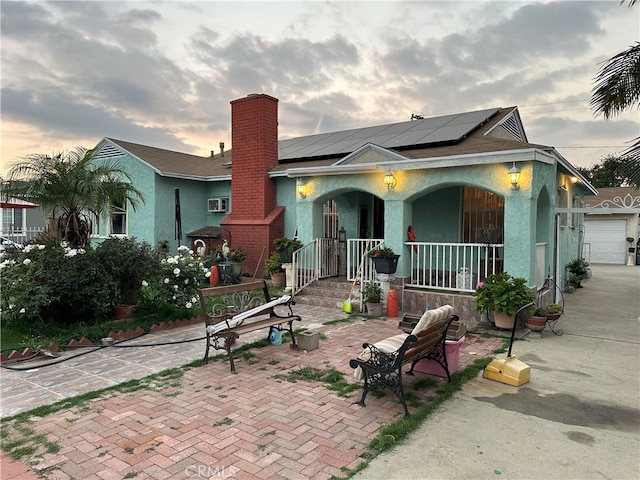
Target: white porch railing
[437, 266]
[453, 266]
[23, 235]
[356, 248]
[318, 259]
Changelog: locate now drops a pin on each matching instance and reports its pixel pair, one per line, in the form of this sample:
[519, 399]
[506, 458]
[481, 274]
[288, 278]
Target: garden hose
[95, 348]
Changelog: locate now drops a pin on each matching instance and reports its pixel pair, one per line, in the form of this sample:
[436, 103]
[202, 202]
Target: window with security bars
[330, 220]
[482, 216]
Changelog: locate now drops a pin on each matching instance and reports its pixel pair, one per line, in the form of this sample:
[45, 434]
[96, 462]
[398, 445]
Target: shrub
[51, 283]
[127, 262]
[177, 282]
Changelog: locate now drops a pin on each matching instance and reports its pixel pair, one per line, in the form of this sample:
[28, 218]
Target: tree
[617, 88]
[611, 171]
[71, 188]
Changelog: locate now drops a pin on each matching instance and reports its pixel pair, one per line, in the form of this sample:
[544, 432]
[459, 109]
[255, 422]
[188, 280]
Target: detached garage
[612, 217]
[606, 241]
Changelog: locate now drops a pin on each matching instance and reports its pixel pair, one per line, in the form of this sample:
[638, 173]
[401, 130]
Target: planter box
[308, 340]
[386, 264]
[451, 351]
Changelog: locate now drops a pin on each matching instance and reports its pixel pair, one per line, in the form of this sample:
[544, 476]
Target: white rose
[166, 280]
[144, 283]
[188, 305]
[26, 261]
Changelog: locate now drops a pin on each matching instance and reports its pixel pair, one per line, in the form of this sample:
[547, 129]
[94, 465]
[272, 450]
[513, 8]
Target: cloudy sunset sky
[163, 73]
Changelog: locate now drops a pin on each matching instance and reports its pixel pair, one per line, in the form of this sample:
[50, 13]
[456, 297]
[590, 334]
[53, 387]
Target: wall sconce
[574, 179]
[342, 235]
[301, 187]
[514, 176]
[389, 180]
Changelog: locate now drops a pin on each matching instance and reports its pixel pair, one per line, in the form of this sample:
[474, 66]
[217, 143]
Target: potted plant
[285, 248]
[503, 295]
[537, 318]
[384, 259]
[127, 263]
[579, 268]
[554, 311]
[373, 298]
[273, 268]
[235, 257]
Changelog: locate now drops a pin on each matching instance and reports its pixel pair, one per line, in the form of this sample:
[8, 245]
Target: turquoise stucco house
[479, 197]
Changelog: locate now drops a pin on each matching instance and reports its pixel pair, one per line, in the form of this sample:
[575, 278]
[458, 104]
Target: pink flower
[480, 285]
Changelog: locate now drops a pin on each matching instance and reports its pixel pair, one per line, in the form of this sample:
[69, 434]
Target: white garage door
[607, 239]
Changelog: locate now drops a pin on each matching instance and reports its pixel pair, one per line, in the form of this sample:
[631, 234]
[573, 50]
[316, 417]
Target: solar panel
[446, 128]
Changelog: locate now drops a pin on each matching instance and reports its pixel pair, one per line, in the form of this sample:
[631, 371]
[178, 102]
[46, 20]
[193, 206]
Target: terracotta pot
[502, 320]
[536, 324]
[553, 316]
[278, 279]
[122, 312]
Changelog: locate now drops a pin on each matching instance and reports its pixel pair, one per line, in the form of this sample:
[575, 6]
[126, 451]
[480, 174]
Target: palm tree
[71, 188]
[617, 88]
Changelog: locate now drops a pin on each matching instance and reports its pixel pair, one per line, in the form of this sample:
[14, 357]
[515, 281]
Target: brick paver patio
[211, 423]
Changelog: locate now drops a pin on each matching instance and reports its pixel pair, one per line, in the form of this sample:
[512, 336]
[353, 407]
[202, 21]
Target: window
[563, 203]
[575, 217]
[118, 220]
[12, 220]
[330, 220]
[95, 223]
[482, 216]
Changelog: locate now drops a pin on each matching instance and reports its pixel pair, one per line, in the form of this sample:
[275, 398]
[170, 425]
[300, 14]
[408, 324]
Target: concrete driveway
[578, 417]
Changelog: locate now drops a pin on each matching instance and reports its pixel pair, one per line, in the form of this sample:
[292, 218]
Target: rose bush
[178, 281]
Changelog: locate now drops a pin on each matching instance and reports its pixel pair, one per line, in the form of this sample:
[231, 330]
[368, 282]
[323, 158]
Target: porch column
[308, 220]
[519, 235]
[397, 217]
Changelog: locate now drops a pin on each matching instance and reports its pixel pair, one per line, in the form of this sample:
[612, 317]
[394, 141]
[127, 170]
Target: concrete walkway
[578, 417]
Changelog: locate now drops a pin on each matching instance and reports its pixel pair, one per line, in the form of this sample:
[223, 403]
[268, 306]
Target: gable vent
[511, 126]
[108, 151]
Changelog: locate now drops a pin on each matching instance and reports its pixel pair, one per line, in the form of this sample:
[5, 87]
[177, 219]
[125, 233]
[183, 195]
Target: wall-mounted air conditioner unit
[217, 205]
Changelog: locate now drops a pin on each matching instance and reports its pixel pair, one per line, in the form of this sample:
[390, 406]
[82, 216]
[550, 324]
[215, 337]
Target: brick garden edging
[27, 353]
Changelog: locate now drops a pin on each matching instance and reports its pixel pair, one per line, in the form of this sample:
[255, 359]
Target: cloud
[163, 73]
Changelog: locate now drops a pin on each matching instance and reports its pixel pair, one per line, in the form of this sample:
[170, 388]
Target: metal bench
[384, 368]
[232, 310]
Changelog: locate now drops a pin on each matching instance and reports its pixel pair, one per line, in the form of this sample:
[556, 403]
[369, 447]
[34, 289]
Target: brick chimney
[255, 220]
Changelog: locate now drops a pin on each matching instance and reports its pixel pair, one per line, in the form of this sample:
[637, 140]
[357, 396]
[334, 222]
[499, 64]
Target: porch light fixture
[389, 180]
[514, 176]
[301, 187]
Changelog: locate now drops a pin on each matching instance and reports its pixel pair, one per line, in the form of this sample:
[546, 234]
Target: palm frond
[617, 84]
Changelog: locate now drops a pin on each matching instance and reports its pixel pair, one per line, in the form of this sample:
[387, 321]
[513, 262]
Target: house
[479, 197]
[21, 220]
[611, 217]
